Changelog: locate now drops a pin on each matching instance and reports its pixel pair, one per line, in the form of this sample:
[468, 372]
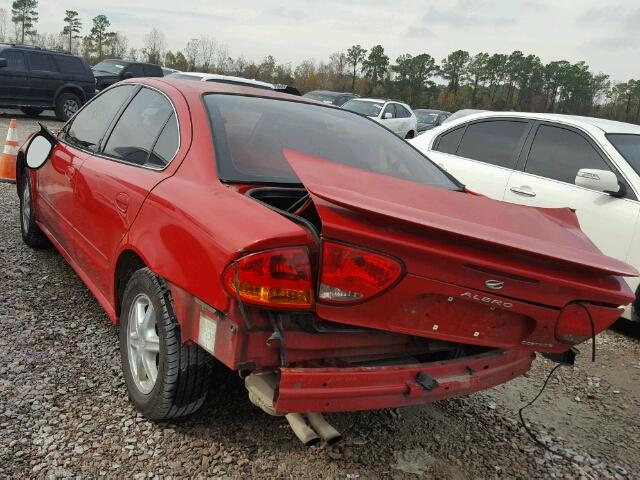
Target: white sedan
[549, 160]
[397, 117]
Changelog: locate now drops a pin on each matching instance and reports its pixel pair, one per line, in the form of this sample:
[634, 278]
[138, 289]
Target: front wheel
[164, 377]
[31, 233]
[67, 104]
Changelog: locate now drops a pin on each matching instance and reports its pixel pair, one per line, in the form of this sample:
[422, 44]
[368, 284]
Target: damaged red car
[306, 247]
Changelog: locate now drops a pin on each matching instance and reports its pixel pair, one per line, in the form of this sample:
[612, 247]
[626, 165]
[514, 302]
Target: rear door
[132, 159]
[482, 154]
[553, 157]
[14, 79]
[45, 77]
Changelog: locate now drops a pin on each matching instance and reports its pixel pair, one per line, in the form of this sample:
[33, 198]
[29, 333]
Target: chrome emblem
[494, 284]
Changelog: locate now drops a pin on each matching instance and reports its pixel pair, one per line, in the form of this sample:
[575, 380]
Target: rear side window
[137, 130]
[251, 135]
[136, 70]
[68, 64]
[41, 61]
[449, 141]
[402, 112]
[559, 153]
[15, 59]
[167, 144]
[495, 142]
[90, 124]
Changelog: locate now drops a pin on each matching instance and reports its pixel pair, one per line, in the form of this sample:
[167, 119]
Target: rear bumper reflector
[366, 388]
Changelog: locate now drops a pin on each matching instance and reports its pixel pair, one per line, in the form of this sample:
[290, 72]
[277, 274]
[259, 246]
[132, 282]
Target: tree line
[494, 81]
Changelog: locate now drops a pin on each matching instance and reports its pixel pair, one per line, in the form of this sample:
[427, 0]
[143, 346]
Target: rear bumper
[365, 388]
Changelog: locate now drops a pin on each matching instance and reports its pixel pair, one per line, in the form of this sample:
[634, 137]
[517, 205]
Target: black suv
[111, 71]
[34, 79]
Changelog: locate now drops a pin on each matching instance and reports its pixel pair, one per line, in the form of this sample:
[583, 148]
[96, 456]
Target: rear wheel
[32, 111]
[66, 105]
[164, 377]
[31, 233]
[409, 135]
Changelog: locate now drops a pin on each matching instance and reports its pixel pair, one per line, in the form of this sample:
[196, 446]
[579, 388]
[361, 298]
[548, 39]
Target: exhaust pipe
[301, 429]
[324, 429]
[261, 389]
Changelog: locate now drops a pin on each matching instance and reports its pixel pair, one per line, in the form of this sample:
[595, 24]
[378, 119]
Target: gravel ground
[64, 410]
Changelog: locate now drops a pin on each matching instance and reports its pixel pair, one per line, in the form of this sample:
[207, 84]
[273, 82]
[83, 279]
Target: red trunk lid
[452, 243]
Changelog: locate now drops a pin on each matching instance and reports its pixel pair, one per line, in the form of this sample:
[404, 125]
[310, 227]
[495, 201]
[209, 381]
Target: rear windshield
[426, 117]
[629, 147]
[363, 107]
[251, 133]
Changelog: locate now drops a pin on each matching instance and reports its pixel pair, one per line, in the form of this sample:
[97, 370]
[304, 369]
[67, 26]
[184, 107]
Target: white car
[397, 117]
[245, 82]
[549, 160]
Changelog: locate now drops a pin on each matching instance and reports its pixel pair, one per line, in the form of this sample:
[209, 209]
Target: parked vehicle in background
[461, 113]
[548, 160]
[396, 116]
[308, 248]
[168, 71]
[34, 79]
[232, 80]
[428, 118]
[334, 98]
[111, 71]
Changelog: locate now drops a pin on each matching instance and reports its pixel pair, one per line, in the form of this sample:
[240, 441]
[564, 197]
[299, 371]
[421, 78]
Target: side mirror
[40, 148]
[3, 62]
[599, 180]
[126, 75]
[387, 115]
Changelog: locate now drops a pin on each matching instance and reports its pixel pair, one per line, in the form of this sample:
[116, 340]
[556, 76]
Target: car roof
[429, 110]
[31, 48]
[607, 126]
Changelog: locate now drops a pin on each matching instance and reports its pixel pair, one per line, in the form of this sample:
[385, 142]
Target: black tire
[66, 105]
[410, 134]
[183, 371]
[31, 111]
[31, 233]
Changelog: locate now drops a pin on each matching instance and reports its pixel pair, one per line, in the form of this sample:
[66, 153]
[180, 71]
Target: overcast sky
[603, 33]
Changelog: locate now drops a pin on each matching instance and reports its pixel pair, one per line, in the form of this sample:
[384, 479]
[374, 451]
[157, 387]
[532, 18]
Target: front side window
[15, 59]
[494, 141]
[136, 70]
[363, 107]
[138, 128]
[90, 124]
[251, 133]
[559, 153]
[390, 108]
[41, 61]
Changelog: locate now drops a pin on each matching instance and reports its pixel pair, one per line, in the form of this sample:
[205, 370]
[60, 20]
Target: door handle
[526, 191]
[122, 202]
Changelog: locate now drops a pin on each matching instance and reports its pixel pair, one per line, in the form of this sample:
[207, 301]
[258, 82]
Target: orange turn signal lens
[276, 278]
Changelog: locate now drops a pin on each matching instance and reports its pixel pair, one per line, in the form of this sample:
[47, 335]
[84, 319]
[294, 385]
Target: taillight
[275, 278]
[578, 321]
[352, 275]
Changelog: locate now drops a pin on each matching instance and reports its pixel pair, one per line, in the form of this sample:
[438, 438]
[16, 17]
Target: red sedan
[308, 248]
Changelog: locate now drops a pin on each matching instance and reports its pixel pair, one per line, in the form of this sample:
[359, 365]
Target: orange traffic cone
[10, 154]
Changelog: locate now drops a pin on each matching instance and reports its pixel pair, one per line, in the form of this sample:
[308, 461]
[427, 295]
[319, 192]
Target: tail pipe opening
[310, 428]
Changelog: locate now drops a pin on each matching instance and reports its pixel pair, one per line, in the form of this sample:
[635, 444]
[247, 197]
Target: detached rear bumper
[365, 388]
